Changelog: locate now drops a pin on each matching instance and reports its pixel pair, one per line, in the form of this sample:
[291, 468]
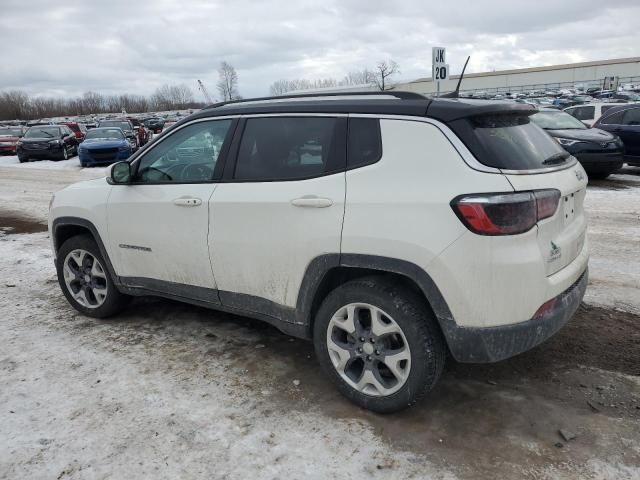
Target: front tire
[22, 158]
[85, 280]
[379, 344]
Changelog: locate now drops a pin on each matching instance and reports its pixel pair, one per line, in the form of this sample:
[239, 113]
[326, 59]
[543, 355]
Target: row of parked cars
[111, 140]
[602, 136]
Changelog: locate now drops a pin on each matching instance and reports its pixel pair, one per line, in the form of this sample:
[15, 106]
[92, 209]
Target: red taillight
[505, 213]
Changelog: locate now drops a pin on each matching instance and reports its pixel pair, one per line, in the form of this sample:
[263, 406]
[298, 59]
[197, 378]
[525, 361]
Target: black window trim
[222, 157]
[230, 166]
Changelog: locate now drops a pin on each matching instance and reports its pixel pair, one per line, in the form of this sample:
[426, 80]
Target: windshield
[42, 132]
[10, 132]
[509, 141]
[557, 121]
[116, 123]
[105, 133]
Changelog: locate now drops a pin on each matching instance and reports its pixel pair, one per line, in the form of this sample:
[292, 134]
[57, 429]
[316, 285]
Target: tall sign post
[439, 66]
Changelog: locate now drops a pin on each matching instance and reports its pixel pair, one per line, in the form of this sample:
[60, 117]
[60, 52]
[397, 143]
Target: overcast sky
[117, 46]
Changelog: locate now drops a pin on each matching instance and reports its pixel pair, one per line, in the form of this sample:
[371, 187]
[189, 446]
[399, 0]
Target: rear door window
[631, 117]
[584, 113]
[290, 148]
[510, 142]
[613, 119]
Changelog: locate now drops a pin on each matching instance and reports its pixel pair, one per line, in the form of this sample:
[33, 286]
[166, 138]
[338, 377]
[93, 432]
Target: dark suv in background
[599, 152]
[47, 142]
[624, 121]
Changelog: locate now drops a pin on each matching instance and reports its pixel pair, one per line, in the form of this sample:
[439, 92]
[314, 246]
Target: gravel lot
[174, 391]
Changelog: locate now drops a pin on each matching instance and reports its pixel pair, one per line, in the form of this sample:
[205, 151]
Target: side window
[289, 148]
[365, 142]
[188, 155]
[573, 111]
[613, 119]
[604, 108]
[631, 117]
[584, 113]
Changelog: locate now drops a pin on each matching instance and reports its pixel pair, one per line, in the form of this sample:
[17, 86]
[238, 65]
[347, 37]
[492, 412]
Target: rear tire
[85, 280]
[403, 353]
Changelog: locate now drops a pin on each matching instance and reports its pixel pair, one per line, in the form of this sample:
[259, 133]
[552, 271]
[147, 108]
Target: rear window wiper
[556, 158]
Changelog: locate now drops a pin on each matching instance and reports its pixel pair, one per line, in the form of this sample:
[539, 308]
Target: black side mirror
[120, 173]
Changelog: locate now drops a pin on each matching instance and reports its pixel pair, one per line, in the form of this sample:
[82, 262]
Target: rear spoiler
[447, 110]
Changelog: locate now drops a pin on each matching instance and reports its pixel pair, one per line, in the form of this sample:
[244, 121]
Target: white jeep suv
[390, 229]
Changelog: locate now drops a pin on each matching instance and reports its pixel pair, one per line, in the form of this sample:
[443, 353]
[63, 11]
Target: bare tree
[384, 70]
[228, 83]
[17, 105]
[359, 77]
[92, 102]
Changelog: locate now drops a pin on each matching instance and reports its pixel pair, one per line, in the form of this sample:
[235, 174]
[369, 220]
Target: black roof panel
[408, 103]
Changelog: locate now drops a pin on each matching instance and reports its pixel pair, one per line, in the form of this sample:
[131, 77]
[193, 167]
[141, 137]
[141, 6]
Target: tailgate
[560, 237]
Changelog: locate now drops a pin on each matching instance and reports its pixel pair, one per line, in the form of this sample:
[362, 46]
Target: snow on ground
[168, 391]
[71, 164]
[613, 206]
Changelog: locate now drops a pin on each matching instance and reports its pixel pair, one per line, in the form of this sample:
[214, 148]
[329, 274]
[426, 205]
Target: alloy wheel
[368, 349]
[85, 278]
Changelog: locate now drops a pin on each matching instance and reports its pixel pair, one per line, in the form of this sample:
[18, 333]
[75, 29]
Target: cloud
[122, 46]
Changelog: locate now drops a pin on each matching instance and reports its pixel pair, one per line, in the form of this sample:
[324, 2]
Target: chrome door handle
[312, 201]
[187, 202]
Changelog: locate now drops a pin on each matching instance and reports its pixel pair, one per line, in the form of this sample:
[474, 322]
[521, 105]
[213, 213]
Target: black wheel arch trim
[322, 265]
[84, 223]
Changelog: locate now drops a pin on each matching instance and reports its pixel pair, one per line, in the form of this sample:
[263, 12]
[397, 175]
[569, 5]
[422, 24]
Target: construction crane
[207, 97]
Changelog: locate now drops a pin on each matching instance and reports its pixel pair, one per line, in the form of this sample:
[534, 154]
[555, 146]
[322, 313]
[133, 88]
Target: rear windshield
[509, 141]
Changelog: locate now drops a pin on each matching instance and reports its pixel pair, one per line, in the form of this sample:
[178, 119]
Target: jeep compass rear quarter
[387, 228]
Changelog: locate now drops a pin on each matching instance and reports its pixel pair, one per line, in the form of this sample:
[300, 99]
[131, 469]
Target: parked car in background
[144, 135]
[624, 121]
[50, 142]
[78, 129]
[127, 128]
[590, 112]
[103, 146]
[155, 124]
[599, 152]
[9, 137]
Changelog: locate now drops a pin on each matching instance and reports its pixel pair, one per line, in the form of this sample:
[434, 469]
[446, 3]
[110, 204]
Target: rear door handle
[187, 202]
[312, 201]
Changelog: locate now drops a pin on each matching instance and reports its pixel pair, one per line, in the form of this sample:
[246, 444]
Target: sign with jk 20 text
[439, 64]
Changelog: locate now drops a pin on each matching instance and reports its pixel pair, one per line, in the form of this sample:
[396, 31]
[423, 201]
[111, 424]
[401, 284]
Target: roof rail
[400, 95]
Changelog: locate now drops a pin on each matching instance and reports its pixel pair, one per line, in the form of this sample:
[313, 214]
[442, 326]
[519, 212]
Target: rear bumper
[492, 344]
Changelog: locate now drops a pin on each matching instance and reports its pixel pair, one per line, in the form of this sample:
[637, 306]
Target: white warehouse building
[553, 76]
